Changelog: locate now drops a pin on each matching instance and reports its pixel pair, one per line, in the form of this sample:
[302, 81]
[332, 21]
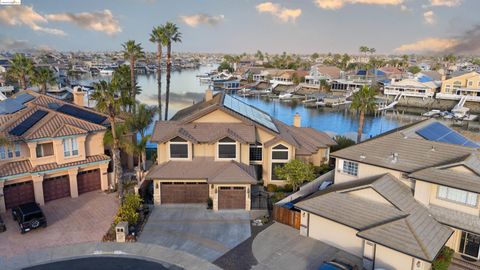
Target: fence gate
[287, 216]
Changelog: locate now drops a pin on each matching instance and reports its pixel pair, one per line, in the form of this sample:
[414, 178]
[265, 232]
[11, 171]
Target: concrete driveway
[196, 230]
[83, 219]
[282, 247]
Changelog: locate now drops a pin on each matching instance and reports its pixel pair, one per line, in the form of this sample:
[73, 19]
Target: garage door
[56, 188]
[184, 192]
[231, 198]
[88, 181]
[18, 194]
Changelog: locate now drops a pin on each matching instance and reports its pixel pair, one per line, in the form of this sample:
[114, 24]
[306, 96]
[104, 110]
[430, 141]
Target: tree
[259, 55]
[296, 172]
[43, 77]
[158, 37]
[4, 141]
[106, 98]
[132, 51]
[172, 35]
[121, 80]
[364, 101]
[324, 85]
[138, 122]
[314, 56]
[414, 69]
[342, 142]
[21, 69]
[225, 66]
[364, 49]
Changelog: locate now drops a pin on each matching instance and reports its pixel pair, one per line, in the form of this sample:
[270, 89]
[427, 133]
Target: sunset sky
[235, 26]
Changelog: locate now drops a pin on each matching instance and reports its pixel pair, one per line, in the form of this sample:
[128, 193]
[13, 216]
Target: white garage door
[335, 234]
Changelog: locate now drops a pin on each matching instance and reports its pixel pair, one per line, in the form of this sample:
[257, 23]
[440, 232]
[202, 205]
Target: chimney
[444, 78]
[78, 96]
[297, 120]
[208, 94]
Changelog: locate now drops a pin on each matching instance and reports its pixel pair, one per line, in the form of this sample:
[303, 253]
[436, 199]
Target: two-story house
[466, 85]
[399, 198]
[218, 148]
[56, 150]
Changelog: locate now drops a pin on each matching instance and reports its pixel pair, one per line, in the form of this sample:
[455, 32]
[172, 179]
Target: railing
[457, 97]
[407, 93]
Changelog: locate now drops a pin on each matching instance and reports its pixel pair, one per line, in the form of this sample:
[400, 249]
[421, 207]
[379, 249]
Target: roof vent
[433, 149]
[362, 156]
[394, 157]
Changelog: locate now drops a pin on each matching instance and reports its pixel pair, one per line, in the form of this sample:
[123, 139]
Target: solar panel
[10, 106]
[441, 133]
[82, 114]
[24, 97]
[26, 124]
[249, 112]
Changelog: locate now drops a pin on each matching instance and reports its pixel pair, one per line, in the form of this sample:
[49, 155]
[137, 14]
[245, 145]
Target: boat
[432, 113]
[286, 96]
[107, 71]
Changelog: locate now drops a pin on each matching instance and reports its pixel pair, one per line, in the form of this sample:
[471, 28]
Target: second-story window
[44, 150]
[256, 152]
[227, 148]
[70, 147]
[350, 167]
[8, 152]
[457, 196]
[178, 148]
[279, 158]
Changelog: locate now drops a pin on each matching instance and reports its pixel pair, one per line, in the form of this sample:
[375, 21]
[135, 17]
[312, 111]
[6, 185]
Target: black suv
[29, 216]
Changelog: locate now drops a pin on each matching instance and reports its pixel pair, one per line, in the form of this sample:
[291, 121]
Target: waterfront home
[320, 72]
[56, 149]
[393, 73]
[348, 86]
[218, 148]
[420, 86]
[466, 85]
[400, 197]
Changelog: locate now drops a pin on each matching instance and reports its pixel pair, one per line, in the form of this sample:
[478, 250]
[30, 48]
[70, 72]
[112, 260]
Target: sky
[237, 26]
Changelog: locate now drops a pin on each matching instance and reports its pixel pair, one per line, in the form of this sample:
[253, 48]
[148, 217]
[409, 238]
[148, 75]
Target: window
[70, 147]
[44, 150]
[470, 83]
[457, 196]
[227, 148]
[8, 152]
[350, 167]
[280, 152]
[178, 148]
[256, 152]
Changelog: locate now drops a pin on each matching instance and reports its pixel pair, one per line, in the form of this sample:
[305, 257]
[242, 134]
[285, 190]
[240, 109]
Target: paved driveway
[282, 247]
[83, 219]
[196, 230]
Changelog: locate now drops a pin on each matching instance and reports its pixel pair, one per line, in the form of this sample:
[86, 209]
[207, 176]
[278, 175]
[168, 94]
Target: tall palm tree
[364, 102]
[132, 51]
[172, 34]
[106, 98]
[21, 69]
[43, 77]
[138, 122]
[158, 36]
[121, 79]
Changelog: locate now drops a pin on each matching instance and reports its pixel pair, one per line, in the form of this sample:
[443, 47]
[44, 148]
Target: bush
[443, 259]
[128, 211]
[272, 188]
[288, 188]
[322, 169]
[209, 203]
[342, 142]
[277, 196]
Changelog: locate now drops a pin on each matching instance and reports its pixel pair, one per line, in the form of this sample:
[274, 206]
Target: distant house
[320, 72]
[466, 85]
[421, 86]
[393, 73]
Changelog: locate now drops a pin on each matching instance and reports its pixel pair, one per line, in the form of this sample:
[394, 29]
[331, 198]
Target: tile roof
[16, 167]
[455, 218]
[219, 172]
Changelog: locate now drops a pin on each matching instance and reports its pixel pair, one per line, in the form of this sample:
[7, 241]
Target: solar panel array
[441, 133]
[249, 112]
[26, 124]
[82, 114]
[13, 105]
[24, 97]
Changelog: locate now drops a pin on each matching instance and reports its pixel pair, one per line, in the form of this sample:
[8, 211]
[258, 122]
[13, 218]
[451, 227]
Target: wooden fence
[286, 216]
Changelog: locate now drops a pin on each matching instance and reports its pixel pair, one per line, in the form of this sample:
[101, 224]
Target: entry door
[470, 245]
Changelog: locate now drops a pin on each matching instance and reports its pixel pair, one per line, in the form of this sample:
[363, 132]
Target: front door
[470, 245]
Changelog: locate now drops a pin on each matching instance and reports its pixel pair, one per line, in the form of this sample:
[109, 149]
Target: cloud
[429, 17]
[431, 45]
[337, 4]
[282, 13]
[445, 3]
[25, 15]
[19, 45]
[101, 21]
[198, 19]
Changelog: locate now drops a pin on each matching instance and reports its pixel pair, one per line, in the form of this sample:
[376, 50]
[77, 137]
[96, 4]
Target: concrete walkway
[282, 247]
[165, 256]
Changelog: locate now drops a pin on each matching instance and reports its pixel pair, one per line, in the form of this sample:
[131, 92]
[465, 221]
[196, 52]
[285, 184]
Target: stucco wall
[94, 144]
[390, 259]
[217, 116]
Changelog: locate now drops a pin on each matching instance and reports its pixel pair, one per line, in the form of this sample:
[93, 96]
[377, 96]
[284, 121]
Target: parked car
[29, 216]
[2, 225]
[335, 265]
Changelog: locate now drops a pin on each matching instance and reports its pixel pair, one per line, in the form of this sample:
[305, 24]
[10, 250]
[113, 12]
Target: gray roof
[215, 172]
[403, 225]
[456, 219]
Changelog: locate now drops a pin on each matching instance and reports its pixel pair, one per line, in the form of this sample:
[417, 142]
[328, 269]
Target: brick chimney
[78, 96]
[297, 120]
[208, 94]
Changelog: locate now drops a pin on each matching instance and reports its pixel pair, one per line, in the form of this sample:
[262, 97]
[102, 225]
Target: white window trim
[255, 146]
[226, 143]
[176, 158]
[345, 172]
[278, 160]
[68, 147]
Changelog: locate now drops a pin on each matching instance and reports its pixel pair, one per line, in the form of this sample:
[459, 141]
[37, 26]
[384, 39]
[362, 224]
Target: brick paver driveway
[83, 219]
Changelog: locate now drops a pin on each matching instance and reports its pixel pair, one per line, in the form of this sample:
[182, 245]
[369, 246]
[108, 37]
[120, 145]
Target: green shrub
[272, 188]
[443, 259]
[288, 188]
[277, 196]
[128, 211]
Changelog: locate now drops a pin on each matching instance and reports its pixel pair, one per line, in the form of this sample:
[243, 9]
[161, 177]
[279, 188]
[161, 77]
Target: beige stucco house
[218, 148]
[466, 85]
[400, 197]
[56, 150]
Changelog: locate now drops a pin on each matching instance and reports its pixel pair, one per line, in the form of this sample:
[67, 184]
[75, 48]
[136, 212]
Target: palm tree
[138, 122]
[132, 51]
[364, 102]
[158, 36]
[4, 141]
[121, 79]
[364, 50]
[43, 77]
[106, 98]
[21, 69]
[172, 34]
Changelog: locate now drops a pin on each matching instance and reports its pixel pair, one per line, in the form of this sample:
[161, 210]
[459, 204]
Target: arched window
[178, 148]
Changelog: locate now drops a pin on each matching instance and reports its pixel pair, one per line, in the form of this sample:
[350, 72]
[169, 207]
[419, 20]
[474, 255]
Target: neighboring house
[56, 150]
[421, 86]
[460, 86]
[320, 72]
[218, 148]
[400, 197]
[393, 73]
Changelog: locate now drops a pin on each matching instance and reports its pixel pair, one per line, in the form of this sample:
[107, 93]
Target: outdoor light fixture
[211, 186]
[216, 190]
[156, 186]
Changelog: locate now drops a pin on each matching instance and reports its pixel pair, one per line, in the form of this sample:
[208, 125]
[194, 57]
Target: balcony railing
[407, 93]
[457, 97]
